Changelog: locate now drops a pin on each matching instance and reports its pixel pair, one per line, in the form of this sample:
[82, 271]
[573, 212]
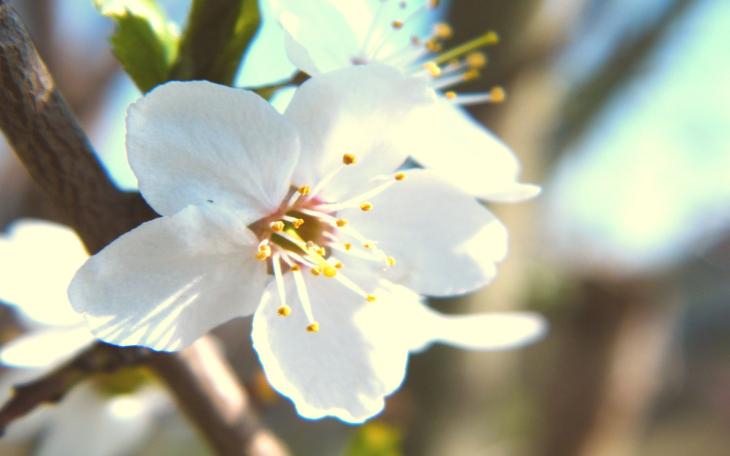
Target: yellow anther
[321, 251]
[472, 74]
[368, 245]
[313, 327]
[399, 176]
[433, 46]
[349, 159]
[296, 267]
[284, 311]
[316, 270]
[348, 246]
[304, 190]
[397, 24]
[433, 69]
[476, 60]
[329, 271]
[277, 227]
[371, 298]
[341, 222]
[339, 265]
[366, 206]
[442, 30]
[450, 95]
[297, 223]
[391, 261]
[263, 253]
[497, 94]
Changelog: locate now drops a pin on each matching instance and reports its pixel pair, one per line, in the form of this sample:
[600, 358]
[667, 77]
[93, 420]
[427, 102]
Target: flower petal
[345, 369]
[445, 139]
[444, 242]
[319, 37]
[196, 142]
[35, 280]
[170, 280]
[354, 110]
[120, 424]
[46, 348]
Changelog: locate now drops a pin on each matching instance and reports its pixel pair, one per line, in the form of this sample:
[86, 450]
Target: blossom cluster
[328, 223]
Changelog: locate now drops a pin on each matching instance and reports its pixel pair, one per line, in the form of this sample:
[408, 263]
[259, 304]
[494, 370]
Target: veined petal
[39, 259]
[446, 140]
[354, 110]
[344, 370]
[198, 142]
[444, 242]
[46, 348]
[170, 280]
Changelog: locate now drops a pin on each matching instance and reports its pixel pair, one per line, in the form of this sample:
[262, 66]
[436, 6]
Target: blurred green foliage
[375, 438]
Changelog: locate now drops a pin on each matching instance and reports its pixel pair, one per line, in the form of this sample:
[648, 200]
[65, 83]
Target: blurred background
[620, 110]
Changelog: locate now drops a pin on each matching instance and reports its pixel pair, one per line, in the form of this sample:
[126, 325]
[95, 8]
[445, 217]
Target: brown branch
[46, 137]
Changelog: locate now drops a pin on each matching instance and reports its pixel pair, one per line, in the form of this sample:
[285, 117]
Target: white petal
[88, 423]
[320, 39]
[169, 281]
[444, 242]
[354, 110]
[445, 139]
[344, 370]
[46, 348]
[38, 261]
[425, 326]
[196, 142]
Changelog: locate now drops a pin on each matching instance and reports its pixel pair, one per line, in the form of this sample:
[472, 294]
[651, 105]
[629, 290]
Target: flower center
[305, 234]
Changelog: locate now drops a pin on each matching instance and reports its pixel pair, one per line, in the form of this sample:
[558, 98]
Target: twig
[46, 137]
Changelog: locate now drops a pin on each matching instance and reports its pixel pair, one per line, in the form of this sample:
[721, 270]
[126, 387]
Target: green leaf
[375, 438]
[217, 34]
[144, 41]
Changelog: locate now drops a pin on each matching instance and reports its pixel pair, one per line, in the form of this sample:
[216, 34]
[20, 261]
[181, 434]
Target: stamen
[349, 159]
[442, 30]
[366, 206]
[296, 222]
[484, 40]
[341, 222]
[358, 201]
[432, 69]
[313, 327]
[301, 191]
[277, 227]
[476, 60]
[304, 298]
[283, 310]
[399, 176]
[371, 298]
[495, 95]
[264, 252]
[397, 24]
[354, 287]
[391, 261]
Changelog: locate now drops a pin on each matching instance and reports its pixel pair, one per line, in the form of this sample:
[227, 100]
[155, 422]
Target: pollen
[433, 69]
[321, 251]
[450, 95]
[339, 265]
[497, 94]
[397, 24]
[399, 176]
[349, 159]
[277, 227]
[263, 253]
[371, 298]
[284, 311]
[366, 206]
[296, 267]
[433, 46]
[341, 222]
[391, 261]
[313, 327]
[316, 271]
[348, 246]
[329, 271]
[297, 223]
[368, 245]
[442, 30]
[476, 60]
[304, 190]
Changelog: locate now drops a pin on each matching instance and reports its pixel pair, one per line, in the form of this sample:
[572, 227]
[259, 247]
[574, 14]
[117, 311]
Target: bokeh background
[620, 110]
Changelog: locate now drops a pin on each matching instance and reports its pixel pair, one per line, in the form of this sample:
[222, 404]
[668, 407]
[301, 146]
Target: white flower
[324, 35]
[38, 261]
[300, 220]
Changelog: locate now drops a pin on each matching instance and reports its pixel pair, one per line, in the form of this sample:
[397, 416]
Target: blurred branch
[55, 384]
[591, 97]
[47, 138]
[216, 36]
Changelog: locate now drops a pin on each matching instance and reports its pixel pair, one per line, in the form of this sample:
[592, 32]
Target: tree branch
[48, 140]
